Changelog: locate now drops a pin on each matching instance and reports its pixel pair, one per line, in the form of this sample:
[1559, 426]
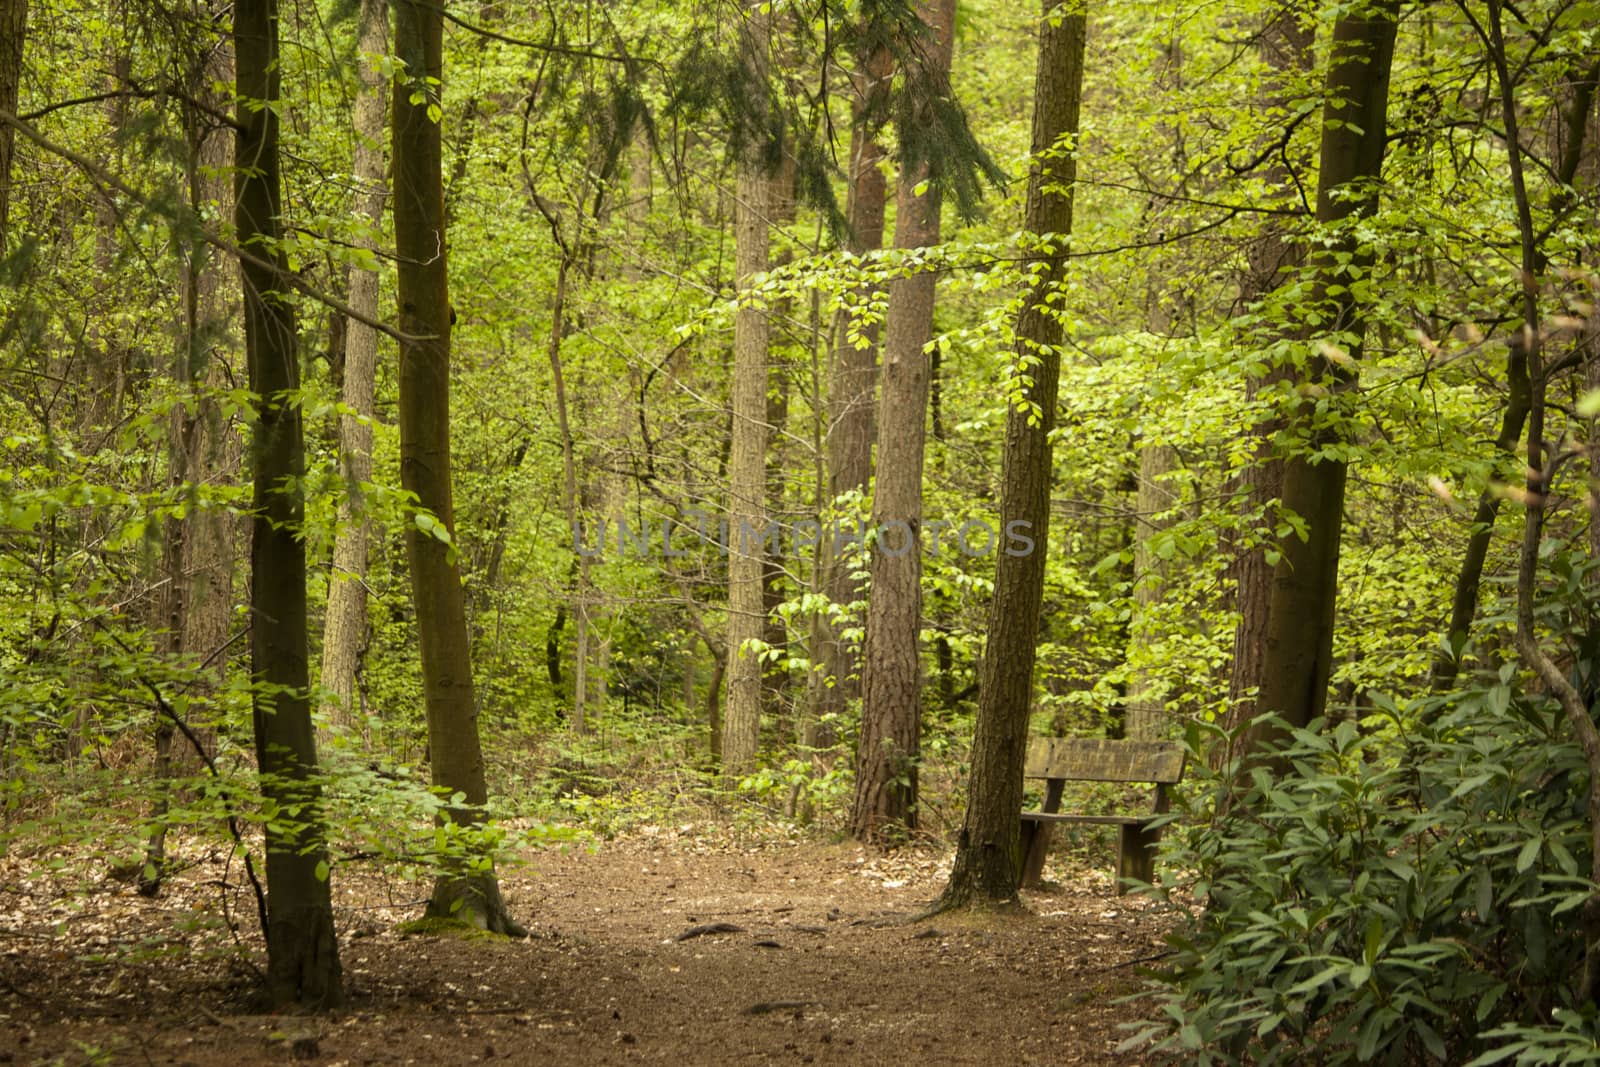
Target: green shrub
[1369, 908]
[802, 788]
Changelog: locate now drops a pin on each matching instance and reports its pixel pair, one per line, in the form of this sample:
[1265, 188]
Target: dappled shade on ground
[812, 962]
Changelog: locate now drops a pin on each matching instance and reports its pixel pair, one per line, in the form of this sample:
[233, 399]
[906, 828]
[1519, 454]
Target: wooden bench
[1059, 760]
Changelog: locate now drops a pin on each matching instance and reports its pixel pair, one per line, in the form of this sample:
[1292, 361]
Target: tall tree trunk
[107, 356]
[203, 448]
[1145, 708]
[1540, 474]
[580, 661]
[852, 385]
[719, 671]
[1464, 601]
[741, 724]
[13, 34]
[424, 293]
[988, 863]
[1299, 645]
[1143, 703]
[775, 632]
[1469, 579]
[345, 636]
[885, 801]
[775, 676]
[578, 721]
[302, 953]
[1273, 259]
[211, 441]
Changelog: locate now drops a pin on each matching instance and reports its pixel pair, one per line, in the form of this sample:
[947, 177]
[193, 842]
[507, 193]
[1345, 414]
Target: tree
[574, 229]
[583, 588]
[13, 35]
[468, 890]
[1299, 640]
[1541, 469]
[1273, 258]
[1145, 710]
[988, 862]
[885, 800]
[753, 201]
[302, 953]
[853, 379]
[782, 205]
[1519, 399]
[203, 446]
[346, 627]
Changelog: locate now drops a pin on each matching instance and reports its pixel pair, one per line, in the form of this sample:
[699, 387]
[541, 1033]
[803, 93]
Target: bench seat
[1059, 760]
[1092, 820]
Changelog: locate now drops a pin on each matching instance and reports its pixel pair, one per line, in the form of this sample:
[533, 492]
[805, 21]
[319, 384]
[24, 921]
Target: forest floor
[816, 963]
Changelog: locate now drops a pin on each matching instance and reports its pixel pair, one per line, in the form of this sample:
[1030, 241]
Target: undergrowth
[1407, 890]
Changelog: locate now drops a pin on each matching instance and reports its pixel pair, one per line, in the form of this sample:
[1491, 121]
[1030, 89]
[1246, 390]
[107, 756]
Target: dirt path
[812, 965]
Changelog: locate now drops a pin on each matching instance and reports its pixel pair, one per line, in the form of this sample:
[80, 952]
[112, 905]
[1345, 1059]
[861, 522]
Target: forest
[817, 530]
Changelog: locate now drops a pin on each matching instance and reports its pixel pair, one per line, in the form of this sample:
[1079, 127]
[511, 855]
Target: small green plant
[800, 787]
[93, 1055]
[610, 814]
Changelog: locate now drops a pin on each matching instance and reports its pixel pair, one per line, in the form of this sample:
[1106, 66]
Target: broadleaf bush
[1350, 906]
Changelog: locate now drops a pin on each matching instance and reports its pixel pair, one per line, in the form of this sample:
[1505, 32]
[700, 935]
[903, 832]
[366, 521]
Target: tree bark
[302, 953]
[1538, 484]
[13, 35]
[741, 723]
[775, 632]
[1299, 642]
[1274, 258]
[1469, 579]
[107, 357]
[988, 862]
[1145, 708]
[424, 293]
[885, 803]
[852, 385]
[1464, 601]
[345, 634]
[203, 448]
[578, 721]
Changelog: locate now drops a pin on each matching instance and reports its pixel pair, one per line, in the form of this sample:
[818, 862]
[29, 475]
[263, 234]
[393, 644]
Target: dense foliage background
[1406, 881]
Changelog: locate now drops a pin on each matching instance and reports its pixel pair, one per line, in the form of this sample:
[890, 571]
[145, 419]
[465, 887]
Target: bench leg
[1035, 845]
[1136, 854]
[1036, 836]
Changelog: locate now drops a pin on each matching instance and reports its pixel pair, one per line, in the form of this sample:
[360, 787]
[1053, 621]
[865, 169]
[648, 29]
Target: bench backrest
[1099, 760]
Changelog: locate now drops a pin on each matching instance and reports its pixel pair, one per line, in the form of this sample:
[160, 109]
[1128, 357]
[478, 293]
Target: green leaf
[1318, 980]
[431, 526]
[1487, 1002]
[1374, 940]
[1370, 1036]
[1430, 1039]
[1536, 939]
